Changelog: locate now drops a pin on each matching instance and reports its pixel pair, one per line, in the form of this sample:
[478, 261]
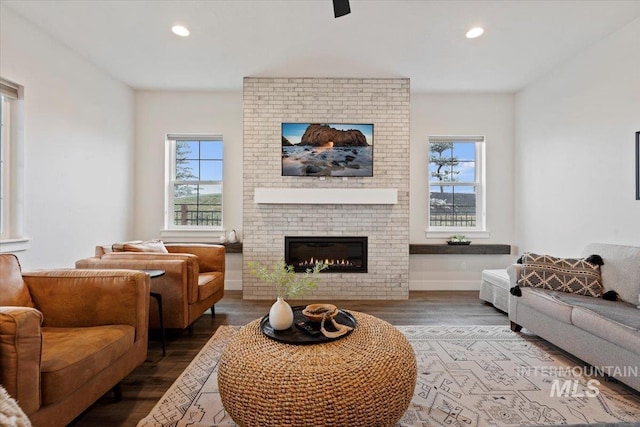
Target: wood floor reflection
[147, 383]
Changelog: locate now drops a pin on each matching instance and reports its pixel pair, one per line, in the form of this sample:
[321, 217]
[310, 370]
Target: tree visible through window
[455, 183]
[196, 182]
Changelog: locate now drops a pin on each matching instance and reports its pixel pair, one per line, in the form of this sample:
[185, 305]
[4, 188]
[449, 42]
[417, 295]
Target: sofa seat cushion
[544, 301]
[618, 311]
[209, 284]
[73, 356]
[617, 322]
[607, 328]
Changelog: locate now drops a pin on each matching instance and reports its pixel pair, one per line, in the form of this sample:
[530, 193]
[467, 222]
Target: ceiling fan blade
[341, 8]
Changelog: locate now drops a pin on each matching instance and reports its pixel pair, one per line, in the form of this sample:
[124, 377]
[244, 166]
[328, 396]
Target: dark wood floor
[147, 383]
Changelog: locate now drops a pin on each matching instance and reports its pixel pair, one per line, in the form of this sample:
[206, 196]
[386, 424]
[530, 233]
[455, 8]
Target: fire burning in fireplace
[343, 254]
[309, 263]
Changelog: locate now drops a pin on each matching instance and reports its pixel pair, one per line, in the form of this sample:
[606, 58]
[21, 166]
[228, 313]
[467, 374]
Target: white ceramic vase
[280, 315]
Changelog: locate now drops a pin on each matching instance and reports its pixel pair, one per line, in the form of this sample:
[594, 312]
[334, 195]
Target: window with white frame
[456, 184]
[194, 192]
[8, 149]
[5, 109]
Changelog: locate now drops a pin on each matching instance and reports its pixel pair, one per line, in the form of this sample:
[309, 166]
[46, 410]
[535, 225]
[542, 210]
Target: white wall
[79, 147]
[491, 115]
[160, 112]
[575, 168]
[80, 180]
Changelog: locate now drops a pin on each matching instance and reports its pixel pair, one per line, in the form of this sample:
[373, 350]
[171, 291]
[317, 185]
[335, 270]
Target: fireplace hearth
[343, 254]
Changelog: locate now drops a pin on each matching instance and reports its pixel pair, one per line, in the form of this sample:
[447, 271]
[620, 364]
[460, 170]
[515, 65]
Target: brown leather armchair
[193, 281]
[67, 337]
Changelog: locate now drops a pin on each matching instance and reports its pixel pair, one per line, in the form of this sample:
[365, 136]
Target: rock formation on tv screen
[318, 135]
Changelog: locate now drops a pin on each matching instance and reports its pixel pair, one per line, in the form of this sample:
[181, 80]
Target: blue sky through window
[464, 169]
[202, 158]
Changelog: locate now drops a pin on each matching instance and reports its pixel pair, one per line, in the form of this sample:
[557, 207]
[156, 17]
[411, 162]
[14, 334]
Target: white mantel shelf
[324, 196]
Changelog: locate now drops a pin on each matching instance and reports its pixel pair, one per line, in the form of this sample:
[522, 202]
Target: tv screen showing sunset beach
[320, 149]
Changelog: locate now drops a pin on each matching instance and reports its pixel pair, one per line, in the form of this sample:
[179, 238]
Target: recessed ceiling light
[180, 30]
[475, 32]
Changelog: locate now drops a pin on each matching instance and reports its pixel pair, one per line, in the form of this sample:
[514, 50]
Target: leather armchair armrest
[79, 298]
[210, 257]
[20, 355]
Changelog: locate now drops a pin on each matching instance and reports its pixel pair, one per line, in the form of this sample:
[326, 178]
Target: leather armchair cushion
[73, 356]
[209, 284]
[61, 295]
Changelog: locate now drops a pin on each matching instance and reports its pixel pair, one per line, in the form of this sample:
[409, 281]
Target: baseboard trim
[444, 285]
[233, 285]
[414, 285]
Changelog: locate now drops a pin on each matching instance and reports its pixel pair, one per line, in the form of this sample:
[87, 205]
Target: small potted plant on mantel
[458, 239]
[288, 284]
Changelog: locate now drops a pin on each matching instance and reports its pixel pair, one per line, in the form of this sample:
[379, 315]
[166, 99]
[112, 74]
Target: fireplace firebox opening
[343, 254]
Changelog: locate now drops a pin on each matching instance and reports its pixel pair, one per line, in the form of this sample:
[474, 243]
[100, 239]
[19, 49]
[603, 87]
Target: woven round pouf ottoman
[366, 378]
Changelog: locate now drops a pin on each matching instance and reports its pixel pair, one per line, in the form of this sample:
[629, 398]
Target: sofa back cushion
[13, 289]
[210, 257]
[571, 275]
[621, 269]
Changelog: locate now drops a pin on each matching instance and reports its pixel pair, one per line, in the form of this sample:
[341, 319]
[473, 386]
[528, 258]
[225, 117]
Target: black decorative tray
[449, 242]
[297, 335]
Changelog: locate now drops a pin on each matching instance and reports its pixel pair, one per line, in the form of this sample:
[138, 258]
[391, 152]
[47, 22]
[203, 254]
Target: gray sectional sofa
[605, 334]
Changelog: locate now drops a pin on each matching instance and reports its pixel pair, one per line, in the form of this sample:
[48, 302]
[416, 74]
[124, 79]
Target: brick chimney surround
[275, 206]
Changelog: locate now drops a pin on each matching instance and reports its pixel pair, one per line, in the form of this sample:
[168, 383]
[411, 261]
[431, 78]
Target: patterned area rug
[467, 376]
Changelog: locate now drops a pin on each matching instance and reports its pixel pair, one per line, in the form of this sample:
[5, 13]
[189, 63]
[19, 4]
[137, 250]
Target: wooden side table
[366, 378]
[158, 297]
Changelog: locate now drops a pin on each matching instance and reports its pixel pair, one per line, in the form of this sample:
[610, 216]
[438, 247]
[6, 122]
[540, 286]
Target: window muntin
[12, 187]
[195, 188]
[456, 184]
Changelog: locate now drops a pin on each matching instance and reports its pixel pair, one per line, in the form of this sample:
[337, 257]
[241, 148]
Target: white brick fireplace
[276, 206]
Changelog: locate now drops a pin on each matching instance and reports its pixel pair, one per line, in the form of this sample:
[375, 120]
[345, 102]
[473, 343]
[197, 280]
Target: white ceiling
[421, 40]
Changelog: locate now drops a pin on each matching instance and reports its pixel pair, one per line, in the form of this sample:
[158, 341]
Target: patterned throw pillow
[572, 275]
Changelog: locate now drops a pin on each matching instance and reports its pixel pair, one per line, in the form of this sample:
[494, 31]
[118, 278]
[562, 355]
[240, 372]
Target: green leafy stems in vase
[288, 284]
[283, 277]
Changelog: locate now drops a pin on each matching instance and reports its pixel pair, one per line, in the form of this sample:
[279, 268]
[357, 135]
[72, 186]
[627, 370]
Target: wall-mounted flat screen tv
[321, 149]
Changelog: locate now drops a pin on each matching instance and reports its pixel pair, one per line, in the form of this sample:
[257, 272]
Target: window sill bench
[472, 249]
[233, 248]
[427, 249]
